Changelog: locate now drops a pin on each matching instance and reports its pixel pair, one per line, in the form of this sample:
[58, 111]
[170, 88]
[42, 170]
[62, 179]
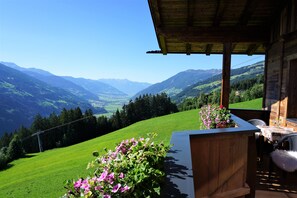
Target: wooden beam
[226, 75]
[188, 48]
[208, 49]
[221, 7]
[162, 44]
[252, 48]
[249, 8]
[157, 19]
[216, 34]
[201, 52]
[191, 9]
[265, 80]
[233, 47]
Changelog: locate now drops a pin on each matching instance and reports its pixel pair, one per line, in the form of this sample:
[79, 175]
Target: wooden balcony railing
[247, 114]
[212, 163]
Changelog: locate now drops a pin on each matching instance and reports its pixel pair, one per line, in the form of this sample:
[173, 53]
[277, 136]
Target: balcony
[220, 163]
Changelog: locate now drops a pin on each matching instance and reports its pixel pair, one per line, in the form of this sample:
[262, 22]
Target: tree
[15, 149]
[103, 125]
[5, 139]
[39, 123]
[116, 120]
[90, 125]
[3, 160]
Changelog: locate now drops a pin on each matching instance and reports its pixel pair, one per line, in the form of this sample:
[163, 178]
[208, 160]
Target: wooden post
[225, 90]
[265, 81]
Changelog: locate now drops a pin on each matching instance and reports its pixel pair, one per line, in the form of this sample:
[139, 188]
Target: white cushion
[285, 160]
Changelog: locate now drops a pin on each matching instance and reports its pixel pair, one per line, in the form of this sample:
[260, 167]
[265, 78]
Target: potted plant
[215, 116]
[133, 169]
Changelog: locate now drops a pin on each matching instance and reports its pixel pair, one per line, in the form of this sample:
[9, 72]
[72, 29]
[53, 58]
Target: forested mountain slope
[23, 97]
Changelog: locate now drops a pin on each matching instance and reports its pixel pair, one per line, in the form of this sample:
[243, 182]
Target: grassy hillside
[253, 104]
[43, 174]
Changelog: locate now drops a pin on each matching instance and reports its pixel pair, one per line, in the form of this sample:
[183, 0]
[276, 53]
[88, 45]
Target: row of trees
[69, 127]
[241, 91]
[72, 126]
[142, 108]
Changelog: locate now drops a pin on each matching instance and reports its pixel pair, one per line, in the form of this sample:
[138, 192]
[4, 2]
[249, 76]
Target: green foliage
[3, 161]
[244, 90]
[44, 173]
[5, 139]
[3, 158]
[214, 116]
[15, 149]
[252, 104]
[64, 134]
[142, 108]
[133, 169]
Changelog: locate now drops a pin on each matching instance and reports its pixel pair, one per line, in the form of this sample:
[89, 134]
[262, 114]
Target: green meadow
[252, 104]
[43, 174]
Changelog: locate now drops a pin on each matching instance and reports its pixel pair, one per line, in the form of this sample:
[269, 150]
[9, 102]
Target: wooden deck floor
[279, 185]
[271, 194]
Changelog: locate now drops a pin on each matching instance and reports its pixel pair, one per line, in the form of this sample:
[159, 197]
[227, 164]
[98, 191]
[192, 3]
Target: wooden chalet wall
[281, 72]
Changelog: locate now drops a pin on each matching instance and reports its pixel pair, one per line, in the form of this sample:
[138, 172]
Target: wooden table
[274, 134]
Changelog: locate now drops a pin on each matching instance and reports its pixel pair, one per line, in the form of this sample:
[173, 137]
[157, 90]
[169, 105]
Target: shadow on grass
[29, 156]
[174, 172]
[6, 167]
[9, 165]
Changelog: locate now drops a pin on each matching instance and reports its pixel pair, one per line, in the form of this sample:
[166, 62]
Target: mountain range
[23, 97]
[25, 92]
[191, 83]
[179, 82]
[214, 82]
[126, 86]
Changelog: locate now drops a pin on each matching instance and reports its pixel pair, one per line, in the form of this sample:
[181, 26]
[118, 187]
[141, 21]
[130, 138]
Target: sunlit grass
[43, 174]
[253, 104]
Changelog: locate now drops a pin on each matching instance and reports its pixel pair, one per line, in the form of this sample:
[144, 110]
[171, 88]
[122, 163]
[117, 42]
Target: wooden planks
[292, 93]
[206, 22]
[219, 164]
[281, 97]
[232, 193]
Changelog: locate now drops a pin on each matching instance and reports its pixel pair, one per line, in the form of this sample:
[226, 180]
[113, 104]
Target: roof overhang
[203, 26]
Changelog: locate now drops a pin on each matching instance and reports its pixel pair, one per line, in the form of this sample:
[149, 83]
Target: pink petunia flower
[103, 176]
[121, 176]
[98, 188]
[125, 188]
[110, 178]
[77, 184]
[116, 188]
[86, 186]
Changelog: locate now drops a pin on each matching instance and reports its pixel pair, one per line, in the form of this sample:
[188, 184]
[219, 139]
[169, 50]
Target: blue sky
[93, 39]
